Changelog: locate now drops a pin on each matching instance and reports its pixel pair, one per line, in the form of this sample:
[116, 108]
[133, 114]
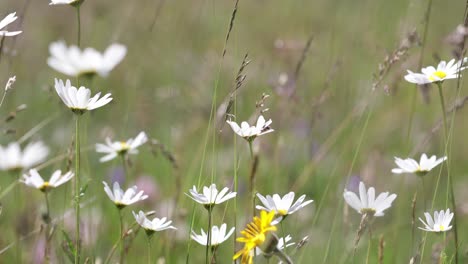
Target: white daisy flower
[443, 72]
[121, 198]
[113, 149]
[74, 62]
[66, 2]
[154, 225]
[282, 206]
[422, 168]
[5, 22]
[34, 179]
[440, 222]
[217, 236]
[13, 158]
[210, 195]
[366, 203]
[251, 132]
[79, 100]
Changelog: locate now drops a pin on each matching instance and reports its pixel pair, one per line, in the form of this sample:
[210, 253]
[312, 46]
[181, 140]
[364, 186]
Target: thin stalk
[450, 181]
[149, 249]
[47, 230]
[77, 188]
[423, 193]
[78, 38]
[369, 247]
[19, 203]
[78, 18]
[8, 189]
[114, 247]
[3, 98]
[281, 255]
[208, 242]
[125, 166]
[283, 234]
[235, 178]
[252, 178]
[46, 196]
[213, 255]
[413, 220]
[442, 104]
[122, 244]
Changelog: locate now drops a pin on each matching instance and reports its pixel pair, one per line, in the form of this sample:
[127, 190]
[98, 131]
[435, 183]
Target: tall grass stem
[449, 177]
[77, 188]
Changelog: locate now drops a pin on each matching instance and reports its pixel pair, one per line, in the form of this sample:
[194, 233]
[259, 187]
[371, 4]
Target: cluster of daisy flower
[260, 235]
[78, 63]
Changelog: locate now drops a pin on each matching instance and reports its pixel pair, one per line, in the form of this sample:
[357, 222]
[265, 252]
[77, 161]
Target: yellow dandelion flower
[254, 235]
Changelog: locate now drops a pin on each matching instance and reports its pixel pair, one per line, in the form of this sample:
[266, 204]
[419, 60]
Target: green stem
[450, 181]
[125, 166]
[208, 242]
[281, 255]
[252, 179]
[283, 233]
[47, 206]
[149, 249]
[369, 247]
[47, 230]
[442, 104]
[19, 203]
[78, 17]
[122, 240]
[251, 149]
[77, 188]
[78, 40]
[213, 255]
[423, 193]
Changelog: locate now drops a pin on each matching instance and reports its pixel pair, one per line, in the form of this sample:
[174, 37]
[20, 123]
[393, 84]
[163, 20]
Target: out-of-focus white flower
[79, 100]
[5, 22]
[443, 72]
[34, 179]
[66, 2]
[423, 167]
[440, 222]
[282, 206]
[113, 149]
[74, 62]
[282, 244]
[217, 236]
[366, 203]
[154, 225]
[210, 195]
[12, 158]
[121, 198]
[251, 132]
[10, 82]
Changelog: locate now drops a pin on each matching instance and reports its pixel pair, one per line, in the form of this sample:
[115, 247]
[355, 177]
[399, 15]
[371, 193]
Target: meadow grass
[338, 120]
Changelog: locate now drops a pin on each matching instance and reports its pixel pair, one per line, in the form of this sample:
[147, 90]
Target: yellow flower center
[282, 212]
[119, 204]
[45, 186]
[441, 228]
[438, 75]
[124, 145]
[369, 211]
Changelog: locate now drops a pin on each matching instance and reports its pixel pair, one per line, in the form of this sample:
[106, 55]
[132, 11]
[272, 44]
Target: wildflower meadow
[157, 131]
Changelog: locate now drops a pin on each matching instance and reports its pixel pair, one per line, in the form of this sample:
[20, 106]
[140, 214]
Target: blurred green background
[333, 128]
